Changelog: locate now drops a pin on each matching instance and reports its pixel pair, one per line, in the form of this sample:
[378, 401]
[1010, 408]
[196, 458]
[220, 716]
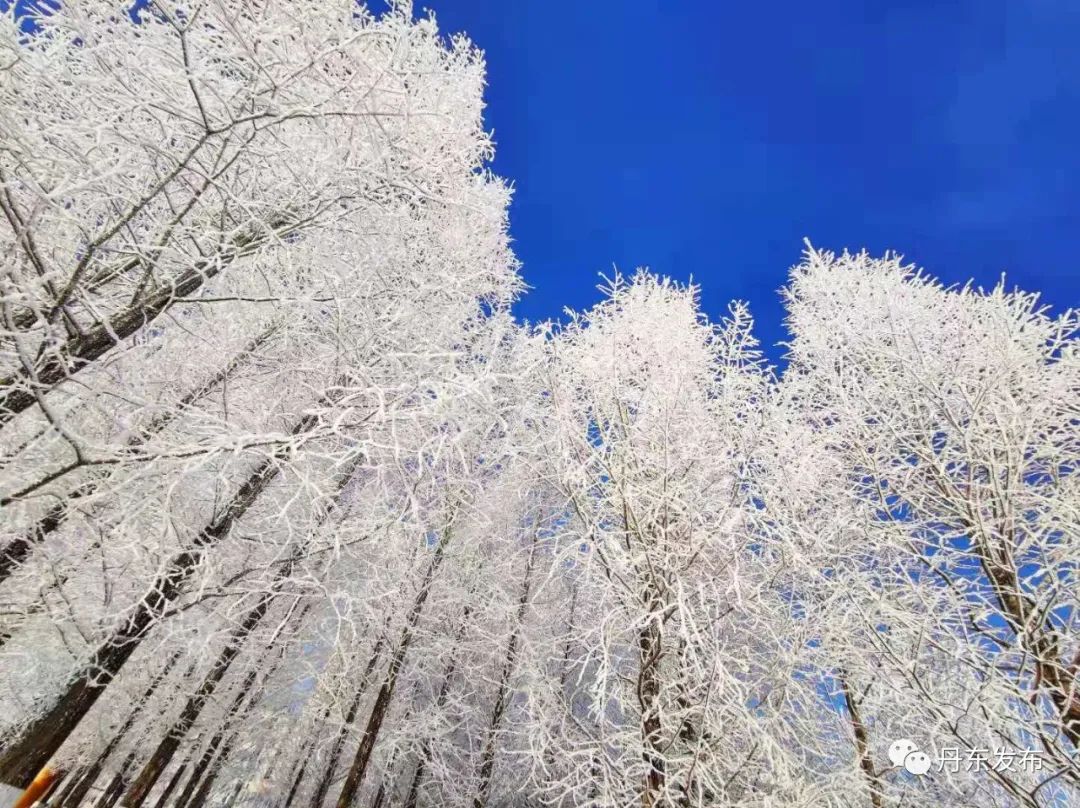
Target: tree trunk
[19, 549]
[195, 704]
[19, 391]
[208, 761]
[1036, 636]
[204, 788]
[862, 743]
[42, 737]
[301, 765]
[440, 703]
[165, 750]
[650, 650]
[74, 795]
[173, 781]
[115, 788]
[386, 692]
[74, 781]
[487, 761]
[350, 717]
[380, 793]
[208, 755]
[231, 716]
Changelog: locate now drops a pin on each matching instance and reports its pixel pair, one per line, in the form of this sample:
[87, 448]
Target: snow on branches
[294, 512]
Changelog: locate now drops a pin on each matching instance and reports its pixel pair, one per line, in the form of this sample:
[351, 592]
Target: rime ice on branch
[294, 512]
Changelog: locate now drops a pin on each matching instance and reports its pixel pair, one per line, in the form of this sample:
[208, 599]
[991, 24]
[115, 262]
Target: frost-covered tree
[228, 284]
[294, 512]
[679, 683]
[935, 515]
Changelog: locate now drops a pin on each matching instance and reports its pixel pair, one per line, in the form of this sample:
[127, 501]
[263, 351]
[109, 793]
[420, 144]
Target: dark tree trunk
[650, 650]
[17, 391]
[41, 738]
[115, 788]
[440, 703]
[350, 717]
[19, 549]
[195, 704]
[73, 781]
[173, 781]
[358, 769]
[112, 792]
[299, 778]
[16, 551]
[165, 750]
[208, 755]
[300, 766]
[862, 743]
[76, 793]
[201, 795]
[388, 769]
[208, 761]
[564, 666]
[380, 796]
[487, 761]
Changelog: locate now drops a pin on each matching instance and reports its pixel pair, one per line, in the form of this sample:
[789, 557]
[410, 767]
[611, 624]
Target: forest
[295, 512]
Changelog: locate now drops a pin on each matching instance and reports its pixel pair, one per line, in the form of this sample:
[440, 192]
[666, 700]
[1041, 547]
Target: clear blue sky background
[706, 138]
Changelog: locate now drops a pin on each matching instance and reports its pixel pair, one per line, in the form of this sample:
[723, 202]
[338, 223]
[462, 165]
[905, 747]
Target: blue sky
[708, 138]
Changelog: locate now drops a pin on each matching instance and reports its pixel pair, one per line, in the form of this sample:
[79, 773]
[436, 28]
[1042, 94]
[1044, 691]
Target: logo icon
[904, 752]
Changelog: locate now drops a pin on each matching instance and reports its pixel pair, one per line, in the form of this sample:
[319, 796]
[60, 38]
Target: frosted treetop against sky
[708, 139]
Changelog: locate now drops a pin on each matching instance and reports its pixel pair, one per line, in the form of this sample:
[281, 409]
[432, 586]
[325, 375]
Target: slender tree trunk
[487, 761]
[1040, 640]
[208, 782]
[195, 704]
[212, 747]
[388, 769]
[173, 782]
[564, 668]
[74, 781]
[74, 795]
[168, 746]
[232, 717]
[19, 391]
[42, 737]
[350, 717]
[862, 743]
[418, 776]
[112, 792]
[386, 692]
[650, 650]
[299, 778]
[115, 788]
[440, 703]
[300, 766]
[16, 551]
[200, 797]
[380, 796]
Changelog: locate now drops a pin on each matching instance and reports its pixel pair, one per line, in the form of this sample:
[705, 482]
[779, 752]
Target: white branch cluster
[283, 480]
